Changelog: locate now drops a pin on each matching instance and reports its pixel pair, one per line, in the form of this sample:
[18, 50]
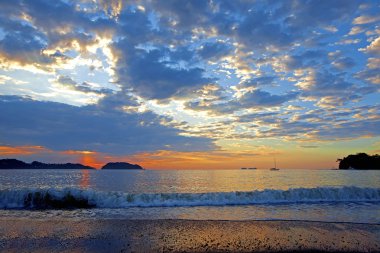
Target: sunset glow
[201, 85]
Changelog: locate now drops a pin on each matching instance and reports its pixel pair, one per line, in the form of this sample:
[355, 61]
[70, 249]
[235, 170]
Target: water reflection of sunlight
[85, 179]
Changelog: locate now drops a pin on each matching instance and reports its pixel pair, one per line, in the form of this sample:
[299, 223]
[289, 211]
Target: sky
[190, 84]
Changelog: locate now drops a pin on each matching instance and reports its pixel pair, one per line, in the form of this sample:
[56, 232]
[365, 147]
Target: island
[17, 164]
[360, 161]
[121, 166]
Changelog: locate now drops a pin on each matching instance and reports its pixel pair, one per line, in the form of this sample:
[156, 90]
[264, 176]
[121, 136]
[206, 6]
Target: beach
[119, 235]
[185, 211]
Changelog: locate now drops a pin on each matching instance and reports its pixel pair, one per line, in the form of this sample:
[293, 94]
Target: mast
[275, 164]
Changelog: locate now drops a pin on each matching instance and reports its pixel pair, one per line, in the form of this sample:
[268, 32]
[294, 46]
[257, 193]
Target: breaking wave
[69, 198]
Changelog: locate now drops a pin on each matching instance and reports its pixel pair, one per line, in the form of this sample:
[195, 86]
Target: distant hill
[360, 161]
[16, 164]
[121, 166]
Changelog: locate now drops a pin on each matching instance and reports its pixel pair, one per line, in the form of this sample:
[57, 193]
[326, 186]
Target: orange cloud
[21, 150]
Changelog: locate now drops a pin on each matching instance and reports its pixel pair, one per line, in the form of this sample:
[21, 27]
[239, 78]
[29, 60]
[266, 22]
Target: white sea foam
[32, 198]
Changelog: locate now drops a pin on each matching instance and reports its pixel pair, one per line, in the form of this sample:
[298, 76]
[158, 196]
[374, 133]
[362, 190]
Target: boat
[275, 165]
[250, 168]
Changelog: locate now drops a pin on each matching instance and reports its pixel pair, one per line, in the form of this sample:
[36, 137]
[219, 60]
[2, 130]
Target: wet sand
[69, 235]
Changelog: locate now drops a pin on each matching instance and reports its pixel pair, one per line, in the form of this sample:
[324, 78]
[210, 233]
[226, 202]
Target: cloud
[214, 51]
[251, 99]
[316, 13]
[84, 87]
[372, 71]
[42, 43]
[356, 30]
[62, 127]
[112, 8]
[306, 59]
[252, 117]
[257, 30]
[257, 82]
[267, 25]
[344, 63]
[325, 84]
[176, 14]
[9, 151]
[238, 68]
[264, 98]
[152, 76]
[328, 124]
[361, 20]
[24, 46]
[4, 79]
[373, 48]
[350, 130]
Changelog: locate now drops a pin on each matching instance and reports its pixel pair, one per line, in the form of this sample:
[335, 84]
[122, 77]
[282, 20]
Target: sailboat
[275, 165]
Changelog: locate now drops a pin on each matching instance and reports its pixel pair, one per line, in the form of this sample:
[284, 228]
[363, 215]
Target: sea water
[316, 195]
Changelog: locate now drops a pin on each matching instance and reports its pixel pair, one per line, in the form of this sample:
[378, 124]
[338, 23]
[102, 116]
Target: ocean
[310, 195]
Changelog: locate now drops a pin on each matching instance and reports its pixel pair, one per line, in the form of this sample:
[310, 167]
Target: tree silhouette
[360, 161]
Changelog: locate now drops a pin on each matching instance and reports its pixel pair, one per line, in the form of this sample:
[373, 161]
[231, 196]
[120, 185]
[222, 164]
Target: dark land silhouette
[360, 161]
[17, 164]
[121, 166]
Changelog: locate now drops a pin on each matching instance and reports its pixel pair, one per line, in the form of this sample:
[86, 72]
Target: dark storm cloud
[63, 127]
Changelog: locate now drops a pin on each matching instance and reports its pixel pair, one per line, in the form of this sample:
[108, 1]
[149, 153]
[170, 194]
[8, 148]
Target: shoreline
[120, 235]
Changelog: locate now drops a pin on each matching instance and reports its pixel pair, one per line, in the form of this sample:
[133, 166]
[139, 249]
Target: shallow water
[321, 195]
